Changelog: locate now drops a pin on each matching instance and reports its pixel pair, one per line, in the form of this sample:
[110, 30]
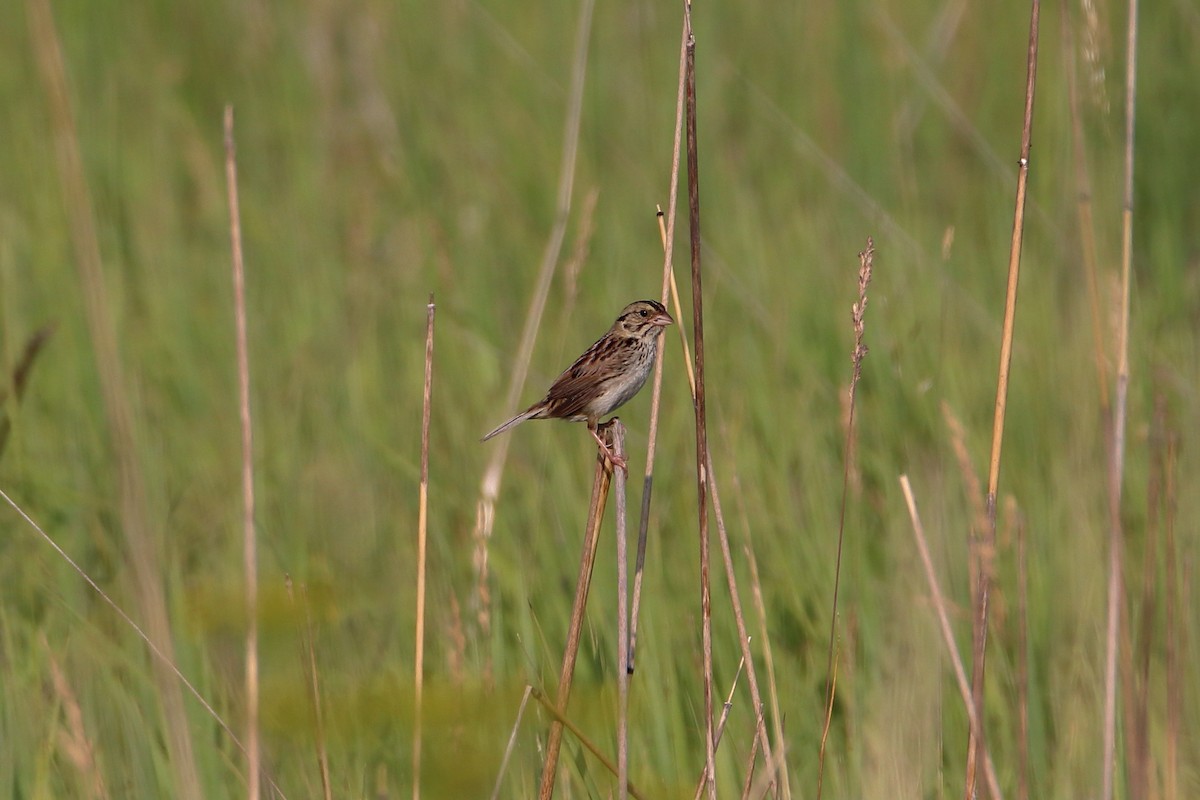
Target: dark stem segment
[693, 167]
[591, 540]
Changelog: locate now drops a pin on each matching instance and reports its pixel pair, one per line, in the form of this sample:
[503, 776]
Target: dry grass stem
[866, 263]
[1013, 514]
[619, 481]
[1175, 629]
[591, 540]
[489, 490]
[422, 526]
[249, 543]
[561, 720]
[512, 742]
[142, 546]
[725, 709]
[748, 781]
[943, 615]
[693, 168]
[1116, 470]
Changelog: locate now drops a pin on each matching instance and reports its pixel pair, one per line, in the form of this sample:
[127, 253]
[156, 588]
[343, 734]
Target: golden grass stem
[866, 262]
[249, 543]
[591, 539]
[1116, 471]
[725, 709]
[422, 530]
[975, 738]
[693, 168]
[489, 490]
[943, 616]
[142, 546]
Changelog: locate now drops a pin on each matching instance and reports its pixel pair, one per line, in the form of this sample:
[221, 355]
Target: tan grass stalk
[142, 545]
[619, 481]
[249, 545]
[562, 720]
[512, 743]
[422, 525]
[309, 661]
[980, 605]
[693, 168]
[1083, 206]
[768, 657]
[1175, 629]
[725, 709]
[591, 539]
[866, 261]
[753, 758]
[74, 741]
[1116, 470]
[166, 664]
[489, 490]
[943, 616]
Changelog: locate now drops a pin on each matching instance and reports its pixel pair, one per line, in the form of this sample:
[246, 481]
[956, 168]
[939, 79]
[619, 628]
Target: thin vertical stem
[249, 546]
[1117, 456]
[980, 616]
[422, 525]
[619, 481]
[693, 167]
[591, 539]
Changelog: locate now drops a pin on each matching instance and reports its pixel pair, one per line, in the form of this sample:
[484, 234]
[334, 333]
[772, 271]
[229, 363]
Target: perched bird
[606, 376]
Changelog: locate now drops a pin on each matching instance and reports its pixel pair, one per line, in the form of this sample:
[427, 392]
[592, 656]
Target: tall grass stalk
[249, 544]
[866, 262]
[980, 603]
[693, 168]
[489, 490]
[142, 545]
[422, 530]
[1116, 470]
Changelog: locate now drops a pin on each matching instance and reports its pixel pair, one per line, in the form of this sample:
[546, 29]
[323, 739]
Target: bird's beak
[662, 320]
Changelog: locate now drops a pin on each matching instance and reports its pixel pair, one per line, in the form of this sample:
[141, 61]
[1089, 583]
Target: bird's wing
[573, 392]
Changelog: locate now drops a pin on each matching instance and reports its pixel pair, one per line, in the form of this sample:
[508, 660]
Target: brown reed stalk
[866, 261]
[1083, 207]
[619, 481]
[668, 241]
[163, 661]
[752, 759]
[249, 543]
[309, 667]
[1116, 470]
[939, 605]
[562, 720]
[975, 739]
[142, 545]
[512, 742]
[489, 490]
[422, 530]
[725, 709]
[591, 539]
[693, 168]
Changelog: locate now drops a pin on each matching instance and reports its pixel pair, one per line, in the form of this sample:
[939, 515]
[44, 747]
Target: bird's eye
[644, 313]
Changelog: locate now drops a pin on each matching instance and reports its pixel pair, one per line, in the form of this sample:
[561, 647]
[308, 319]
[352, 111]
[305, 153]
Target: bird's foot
[607, 451]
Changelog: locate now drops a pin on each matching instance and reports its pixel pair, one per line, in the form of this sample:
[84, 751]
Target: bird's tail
[517, 420]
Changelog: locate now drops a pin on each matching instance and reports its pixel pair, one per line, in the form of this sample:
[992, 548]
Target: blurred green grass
[390, 150]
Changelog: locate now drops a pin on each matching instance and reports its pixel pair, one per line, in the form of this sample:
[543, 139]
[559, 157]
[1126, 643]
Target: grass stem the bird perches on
[249, 543]
[619, 481]
[866, 262]
[979, 616]
[1116, 463]
[693, 168]
[422, 525]
[591, 539]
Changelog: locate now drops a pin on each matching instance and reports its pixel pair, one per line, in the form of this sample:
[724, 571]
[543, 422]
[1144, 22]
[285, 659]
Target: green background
[392, 149]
